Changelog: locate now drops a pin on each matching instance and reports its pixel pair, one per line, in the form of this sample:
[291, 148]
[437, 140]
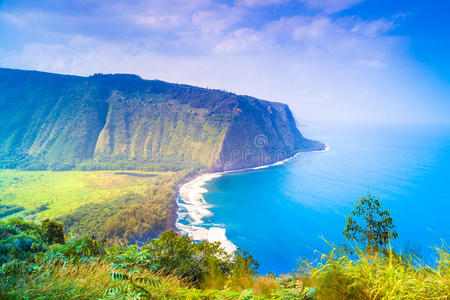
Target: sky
[352, 61]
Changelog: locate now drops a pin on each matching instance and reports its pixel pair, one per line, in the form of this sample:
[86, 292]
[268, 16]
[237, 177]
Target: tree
[195, 261]
[53, 231]
[370, 224]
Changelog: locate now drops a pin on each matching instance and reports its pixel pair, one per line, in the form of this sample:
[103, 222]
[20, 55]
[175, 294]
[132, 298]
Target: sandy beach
[193, 209]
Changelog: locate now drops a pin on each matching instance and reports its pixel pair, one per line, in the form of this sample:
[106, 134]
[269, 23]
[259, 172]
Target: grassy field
[36, 195]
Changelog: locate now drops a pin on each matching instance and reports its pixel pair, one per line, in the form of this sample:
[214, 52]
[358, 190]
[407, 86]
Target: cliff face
[113, 121]
[261, 133]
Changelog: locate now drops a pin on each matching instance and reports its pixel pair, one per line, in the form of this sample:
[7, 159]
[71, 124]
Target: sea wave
[193, 209]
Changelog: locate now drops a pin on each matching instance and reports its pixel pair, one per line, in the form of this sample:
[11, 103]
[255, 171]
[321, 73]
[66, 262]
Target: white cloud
[159, 22]
[331, 6]
[327, 6]
[256, 3]
[319, 64]
[374, 28]
[216, 20]
[241, 41]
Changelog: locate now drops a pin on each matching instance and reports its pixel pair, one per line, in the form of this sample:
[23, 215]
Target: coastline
[192, 207]
[173, 218]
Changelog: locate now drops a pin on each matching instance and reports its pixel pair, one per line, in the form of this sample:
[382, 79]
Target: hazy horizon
[346, 61]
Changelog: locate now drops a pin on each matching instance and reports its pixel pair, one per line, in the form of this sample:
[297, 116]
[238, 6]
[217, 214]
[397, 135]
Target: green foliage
[128, 282]
[176, 267]
[53, 231]
[51, 195]
[74, 251]
[88, 271]
[119, 207]
[178, 255]
[131, 257]
[61, 280]
[370, 224]
[90, 219]
[141, 220]
[133, 272]
[377, 276]
[115, 165]
[291, 287]
[129, 219]
[195, 261]
[20, 240]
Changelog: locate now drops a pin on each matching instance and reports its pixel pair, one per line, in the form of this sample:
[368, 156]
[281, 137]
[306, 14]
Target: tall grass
[338, 275]
[378, 276]
[82, 280]
[60, 281]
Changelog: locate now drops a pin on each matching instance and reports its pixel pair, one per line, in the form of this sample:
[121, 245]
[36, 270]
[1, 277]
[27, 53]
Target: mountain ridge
[121, 121]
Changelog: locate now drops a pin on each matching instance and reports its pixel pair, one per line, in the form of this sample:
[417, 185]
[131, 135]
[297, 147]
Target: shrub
[74, 251]
[197, 261]
[53, 231]
[20, 240]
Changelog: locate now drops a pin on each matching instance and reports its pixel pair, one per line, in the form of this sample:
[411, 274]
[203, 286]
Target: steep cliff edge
[52, 121]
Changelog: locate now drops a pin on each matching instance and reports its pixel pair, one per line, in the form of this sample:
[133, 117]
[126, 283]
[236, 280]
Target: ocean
[292, 212]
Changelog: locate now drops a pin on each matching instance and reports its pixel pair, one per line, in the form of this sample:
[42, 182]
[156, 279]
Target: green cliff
[62, 122]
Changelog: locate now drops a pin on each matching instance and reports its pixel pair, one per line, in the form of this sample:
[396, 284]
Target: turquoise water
[280, 214]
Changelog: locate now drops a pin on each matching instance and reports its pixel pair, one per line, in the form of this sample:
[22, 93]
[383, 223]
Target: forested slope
[121, 121]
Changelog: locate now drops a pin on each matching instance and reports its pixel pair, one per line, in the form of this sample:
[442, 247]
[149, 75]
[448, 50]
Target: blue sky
[330, 60]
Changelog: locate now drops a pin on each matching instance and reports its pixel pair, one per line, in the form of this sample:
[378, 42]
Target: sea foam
[193, 209]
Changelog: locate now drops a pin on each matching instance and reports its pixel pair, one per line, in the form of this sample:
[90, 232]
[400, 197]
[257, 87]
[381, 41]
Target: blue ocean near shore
[280, 214]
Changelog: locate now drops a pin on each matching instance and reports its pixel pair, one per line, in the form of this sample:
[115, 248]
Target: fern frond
[119, 276]
[154, 282]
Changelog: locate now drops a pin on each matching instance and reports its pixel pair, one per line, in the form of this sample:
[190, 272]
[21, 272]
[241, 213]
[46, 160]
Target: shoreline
[173, 218]
[191, 207]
